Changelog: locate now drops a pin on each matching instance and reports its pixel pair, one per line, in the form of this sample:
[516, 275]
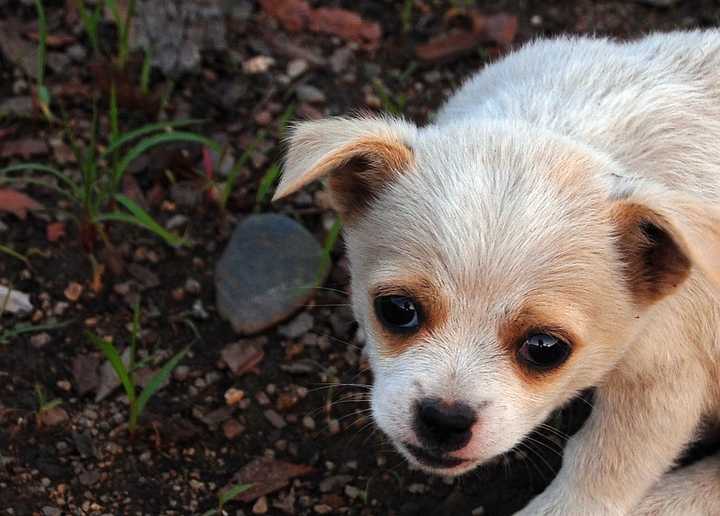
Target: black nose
[444, 427]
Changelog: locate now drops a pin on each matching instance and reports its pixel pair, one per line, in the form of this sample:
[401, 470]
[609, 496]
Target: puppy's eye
[398, 313]
[543, 351]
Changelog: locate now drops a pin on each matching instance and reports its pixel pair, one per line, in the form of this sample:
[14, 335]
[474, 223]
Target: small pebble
[275, 419]
[261, 506]
[233, 395]
[39, 340]
[310, 94]
[296, 68]
[258, 64]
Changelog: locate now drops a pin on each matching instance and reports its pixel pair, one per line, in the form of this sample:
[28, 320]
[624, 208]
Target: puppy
[556, 228]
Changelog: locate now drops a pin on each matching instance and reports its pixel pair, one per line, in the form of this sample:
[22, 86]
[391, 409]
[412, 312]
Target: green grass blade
[141, 218]
[7, 335]
[143, 131]
[111, 353]
[230, 181]
[266, 183]
[38, 167]
[171, 137]
[134, 332]
[157, 379]
[14, 254]
[232, 493]
[90, 22]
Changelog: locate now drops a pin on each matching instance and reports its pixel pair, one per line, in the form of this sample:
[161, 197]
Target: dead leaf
[55, 231]
[267, 475]
[17, 203]
[498, 28]
[26, 148]
[345, 24]
[299, 15]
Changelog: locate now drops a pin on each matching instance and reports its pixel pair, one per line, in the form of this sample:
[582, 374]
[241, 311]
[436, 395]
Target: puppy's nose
[444, 427]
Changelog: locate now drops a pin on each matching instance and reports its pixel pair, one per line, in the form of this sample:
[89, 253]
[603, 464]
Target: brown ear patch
[361, 169]
[655, 264]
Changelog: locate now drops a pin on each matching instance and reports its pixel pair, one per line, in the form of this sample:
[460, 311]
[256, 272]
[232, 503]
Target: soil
[78, 458]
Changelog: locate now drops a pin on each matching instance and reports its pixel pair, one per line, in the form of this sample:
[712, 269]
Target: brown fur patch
[529, 321]
[655, 264]
[433, 306]
[359, 171]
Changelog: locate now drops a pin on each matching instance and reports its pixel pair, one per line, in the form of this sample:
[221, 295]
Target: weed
[43, 404]
[229, 495]
[91, 23]
[391, 106]
[270, 177]
[332, 237]
[219, 191]
[127, 374]
[399, 479]
[12, 252]
[406, 15]
[43, 92]
[123, 29]
[96, 193]
[365, 494]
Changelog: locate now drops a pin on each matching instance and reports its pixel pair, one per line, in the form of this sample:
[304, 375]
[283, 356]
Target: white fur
[511, 201]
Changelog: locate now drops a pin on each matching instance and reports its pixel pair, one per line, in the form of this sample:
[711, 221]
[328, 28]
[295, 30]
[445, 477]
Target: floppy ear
[360, 156]
[661, 236]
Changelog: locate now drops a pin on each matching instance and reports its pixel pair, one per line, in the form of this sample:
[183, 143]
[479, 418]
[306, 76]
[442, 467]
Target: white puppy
[557, 228]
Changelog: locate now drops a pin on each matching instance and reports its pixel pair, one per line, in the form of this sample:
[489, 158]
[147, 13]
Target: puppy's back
[652, 105]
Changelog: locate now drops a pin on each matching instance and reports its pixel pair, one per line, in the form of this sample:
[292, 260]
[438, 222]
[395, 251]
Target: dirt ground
[304, 411]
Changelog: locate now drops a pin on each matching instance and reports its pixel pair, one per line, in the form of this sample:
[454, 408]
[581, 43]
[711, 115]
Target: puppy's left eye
[543, 351]
[398, 313]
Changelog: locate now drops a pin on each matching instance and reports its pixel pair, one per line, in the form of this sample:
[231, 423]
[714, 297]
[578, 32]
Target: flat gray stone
[266, 273]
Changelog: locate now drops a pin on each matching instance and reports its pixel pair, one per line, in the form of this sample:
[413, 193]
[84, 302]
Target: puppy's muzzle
[444, 427]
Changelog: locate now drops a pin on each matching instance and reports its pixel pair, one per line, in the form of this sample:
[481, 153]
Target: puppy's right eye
[398, 313]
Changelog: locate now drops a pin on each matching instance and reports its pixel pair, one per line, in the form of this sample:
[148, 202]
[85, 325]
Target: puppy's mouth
[433, 459]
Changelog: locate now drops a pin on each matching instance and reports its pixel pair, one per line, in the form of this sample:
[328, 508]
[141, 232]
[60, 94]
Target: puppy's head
[497, 270]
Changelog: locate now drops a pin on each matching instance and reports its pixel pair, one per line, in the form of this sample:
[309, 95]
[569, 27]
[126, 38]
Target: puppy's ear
[661, 236]
[359, 156]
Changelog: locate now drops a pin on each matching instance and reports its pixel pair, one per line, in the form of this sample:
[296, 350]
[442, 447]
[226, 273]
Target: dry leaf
[299, 15]
[17, 203]
[55, 231]
[498, 28]
[267, 475]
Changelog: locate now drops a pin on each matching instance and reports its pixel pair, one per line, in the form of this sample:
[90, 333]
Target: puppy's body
[556, 229]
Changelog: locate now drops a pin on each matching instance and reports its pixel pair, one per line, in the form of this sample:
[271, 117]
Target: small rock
[478, 511]
[15, 302]
[39, 340]
[322, 508]
[310, 94]
[57, 61]
[295, 328]
[89, 478]
[51, 511]
[258, 64]
[266, 272]
[261, 506]
[17, 106]
[77, 53]
[232, 428]
[335, 483]
[181, 373]
[73, 291]
[243, 355]
[275, 419]
[54, 416]
[263, 118]
[144, 275]
[416, 488]
[308, 423]
[352, 492]
[85, 373]
[233, 395]
[296, 68]
[192, 286]
[176, 221]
